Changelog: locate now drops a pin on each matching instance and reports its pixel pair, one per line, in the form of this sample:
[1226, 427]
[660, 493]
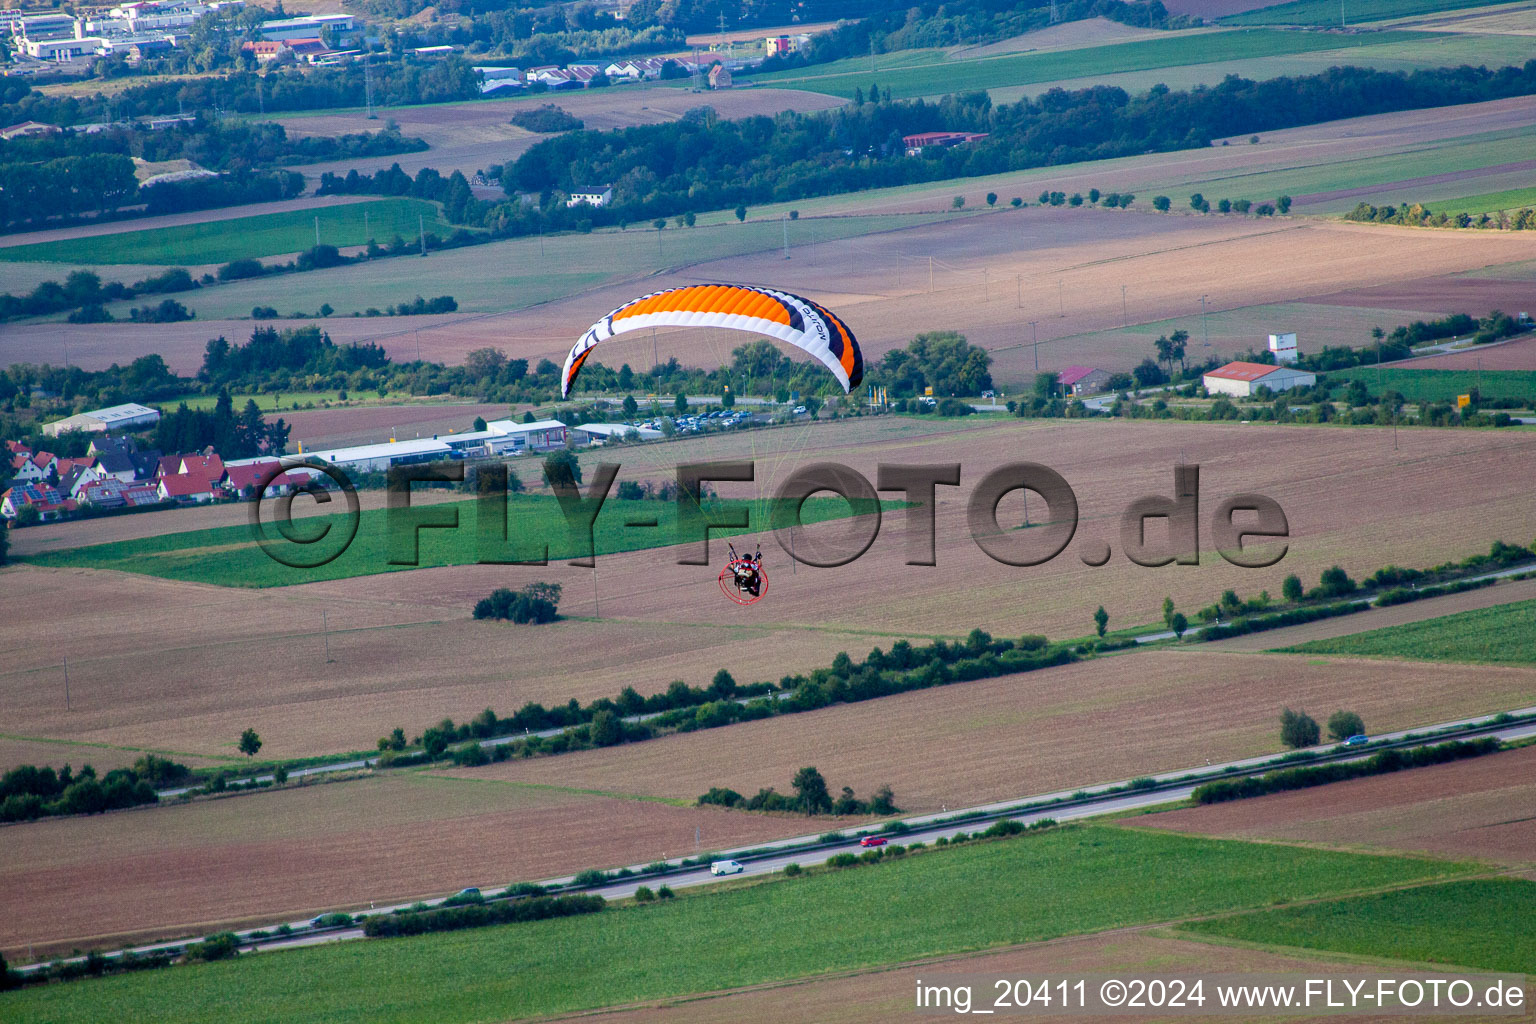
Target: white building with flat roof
[117, 417]
[305, 28]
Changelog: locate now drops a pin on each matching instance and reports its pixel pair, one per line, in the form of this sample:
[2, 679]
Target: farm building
[377, 458]
[1243, 379]
[1083, 380]
[118, 417]
[719, 77]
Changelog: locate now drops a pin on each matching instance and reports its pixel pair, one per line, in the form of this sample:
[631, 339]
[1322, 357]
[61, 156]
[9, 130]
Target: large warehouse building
[1243, 379]
[118, 417]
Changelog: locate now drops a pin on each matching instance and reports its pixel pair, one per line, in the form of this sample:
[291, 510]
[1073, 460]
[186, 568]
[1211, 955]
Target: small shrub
[644, 894]
[792, 869]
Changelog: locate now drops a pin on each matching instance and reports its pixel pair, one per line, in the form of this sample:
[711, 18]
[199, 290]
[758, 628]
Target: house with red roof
[49, 503]
[1077, 381]
[186, 488]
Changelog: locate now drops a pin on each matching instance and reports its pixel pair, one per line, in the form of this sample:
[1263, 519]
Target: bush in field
[535, 603]
[1298, 729]
[1344, 724]
[223, 946]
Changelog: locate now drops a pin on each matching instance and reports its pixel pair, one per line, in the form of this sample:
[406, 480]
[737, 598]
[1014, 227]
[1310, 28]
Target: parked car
[727, 867]
[799, 410]
[873, 841]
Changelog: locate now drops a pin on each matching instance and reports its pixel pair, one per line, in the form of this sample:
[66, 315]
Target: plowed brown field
[279, 856]
[1484, 808]
[978, 742]
[160, 664]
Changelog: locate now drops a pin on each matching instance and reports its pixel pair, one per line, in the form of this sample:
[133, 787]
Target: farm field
[880, 994]
[1483, 808]
[220, 241]
[1076, 880]
[1502, 635]
[182, 868]
[669, 620]
[231, 556]
[1509, 18]
[1325, 13]
[929, 73]
[1376, 618]
[474, 135]
[515, 274]
[1039, 732]
[1519, 354]
[1491, 202]
[203, 663]
[1069, 262]
[1473, 923]
[368, 424]
[1417, 385]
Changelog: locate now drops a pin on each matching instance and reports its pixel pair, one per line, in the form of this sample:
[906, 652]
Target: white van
[727, 867]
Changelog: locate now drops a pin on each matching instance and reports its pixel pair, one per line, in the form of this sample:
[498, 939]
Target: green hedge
[418, 922]
[1294, 617]
[1303, 778]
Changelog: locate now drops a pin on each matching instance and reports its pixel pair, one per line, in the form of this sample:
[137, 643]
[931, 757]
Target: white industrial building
[1244, 379]
[600, 433]
[305, 28]
[118, 417]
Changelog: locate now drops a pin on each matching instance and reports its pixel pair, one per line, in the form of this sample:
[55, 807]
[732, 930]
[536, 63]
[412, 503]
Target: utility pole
[421, 225]
[597, 612]
[368, 89]
[367, 234]
[1125, 314]
[1035, 334]
[872, 57]
[930, 275]
[317, 231]
[1061, 298]
[325, 629]
[655, 359]
[66, 682]
[784, 222]
[1204, 323]
[1018, 286]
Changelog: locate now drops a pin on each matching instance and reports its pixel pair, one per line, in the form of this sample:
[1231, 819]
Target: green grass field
[285, 401]
[927, 73]
[230, 555]
[1490, 202]
[1444, 385]
[1326, 13]
[1483, 923]
[1502, 635]
[1026, 889]
[221, 241]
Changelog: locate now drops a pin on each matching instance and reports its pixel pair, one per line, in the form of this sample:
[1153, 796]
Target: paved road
[767, 858]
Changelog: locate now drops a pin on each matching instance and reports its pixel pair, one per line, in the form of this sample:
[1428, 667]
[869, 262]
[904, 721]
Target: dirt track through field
[1484, 807]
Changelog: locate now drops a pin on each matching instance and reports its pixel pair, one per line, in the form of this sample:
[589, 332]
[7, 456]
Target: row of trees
[535, 603]
[812, 796]
[29, 792]
[1419, 215]
[1378, 764]
[242, 435]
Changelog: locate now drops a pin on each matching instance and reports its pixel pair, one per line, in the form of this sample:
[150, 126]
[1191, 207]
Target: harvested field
[257, 658]
[1442, 295]
[977, 742]
[474, 135]
[278, 856]
[991, 273]
[175, 220]
[878, 996]
[1483, 808]
[329, 428]
[1519, 354]
[1379, 618]
[202, 663]
[1070, 35]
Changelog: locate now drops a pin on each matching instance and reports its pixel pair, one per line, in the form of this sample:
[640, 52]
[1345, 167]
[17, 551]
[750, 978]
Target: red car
[873, 841]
